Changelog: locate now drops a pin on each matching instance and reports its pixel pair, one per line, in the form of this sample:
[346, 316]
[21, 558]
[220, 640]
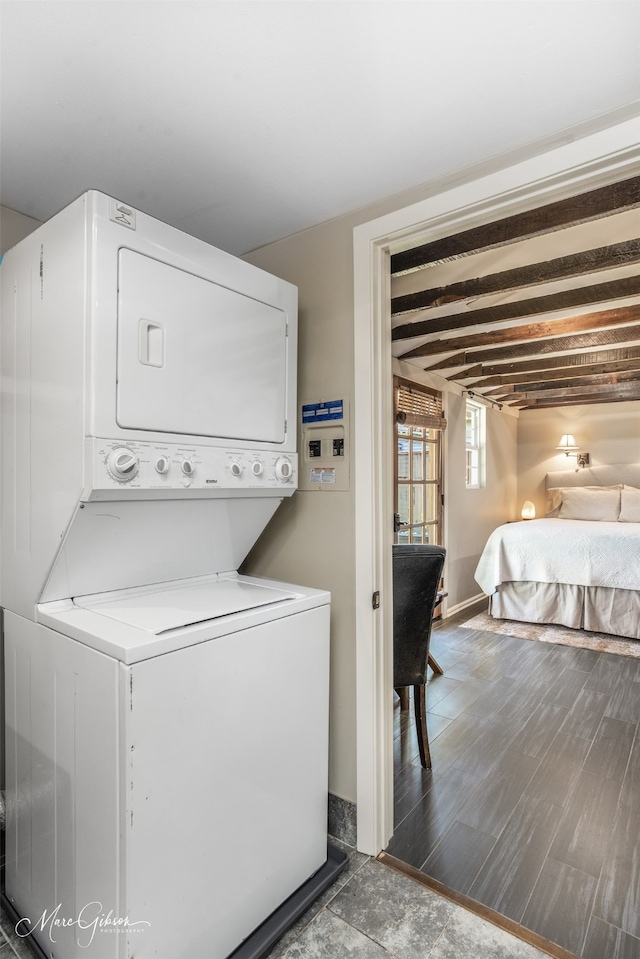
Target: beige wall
[14, 227]
[609, 432]
[311, 538]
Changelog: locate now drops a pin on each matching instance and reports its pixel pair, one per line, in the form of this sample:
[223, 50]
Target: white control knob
[187, 467]
[257, 468]
[122, 464]
[284, 469]
[162, 465]
[236, 469]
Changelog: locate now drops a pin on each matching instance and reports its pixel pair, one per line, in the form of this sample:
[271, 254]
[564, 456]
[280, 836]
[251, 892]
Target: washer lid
[159, 610]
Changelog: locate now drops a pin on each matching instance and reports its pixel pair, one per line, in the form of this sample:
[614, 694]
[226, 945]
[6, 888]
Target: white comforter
[562, 551]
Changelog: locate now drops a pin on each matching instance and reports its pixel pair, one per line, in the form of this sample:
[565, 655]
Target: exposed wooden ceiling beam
[561, 268]
[568, 396]
[549, 387]
[534, 306]
[583, 341]
[581, 400]
[563, 363]
[604, 201]
[556, 375]
[598, 323]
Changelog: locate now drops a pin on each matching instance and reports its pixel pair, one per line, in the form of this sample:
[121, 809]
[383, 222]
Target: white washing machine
[166, 717]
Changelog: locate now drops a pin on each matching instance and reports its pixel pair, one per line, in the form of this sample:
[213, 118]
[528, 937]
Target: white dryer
[166, 717]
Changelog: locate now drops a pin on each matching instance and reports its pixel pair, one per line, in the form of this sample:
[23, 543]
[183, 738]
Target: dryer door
[195, 358]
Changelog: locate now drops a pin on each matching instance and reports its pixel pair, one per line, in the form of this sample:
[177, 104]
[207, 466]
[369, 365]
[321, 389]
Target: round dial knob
[236, 469]
[187, 467]
[284, 469]
[257, 468]
[162, 465]
[122, 464]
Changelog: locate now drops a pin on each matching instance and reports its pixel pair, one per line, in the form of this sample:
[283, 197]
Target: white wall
[609, 432]
[14, 227]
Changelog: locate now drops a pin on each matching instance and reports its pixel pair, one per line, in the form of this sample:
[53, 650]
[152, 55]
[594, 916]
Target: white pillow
[555, 493]
[629, 505]
[591, 504]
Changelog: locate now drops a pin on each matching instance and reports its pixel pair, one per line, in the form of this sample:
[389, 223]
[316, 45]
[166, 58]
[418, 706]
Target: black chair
[417, 571]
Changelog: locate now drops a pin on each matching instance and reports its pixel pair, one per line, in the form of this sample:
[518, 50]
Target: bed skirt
[594, 608]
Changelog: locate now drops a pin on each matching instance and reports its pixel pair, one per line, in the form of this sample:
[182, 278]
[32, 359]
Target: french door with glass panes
[419, 428]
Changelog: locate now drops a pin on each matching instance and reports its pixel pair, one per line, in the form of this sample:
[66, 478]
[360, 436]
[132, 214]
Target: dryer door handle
[150, 343]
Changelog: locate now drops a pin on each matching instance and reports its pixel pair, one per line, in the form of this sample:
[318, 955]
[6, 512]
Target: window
[419, 426]
[475, 445]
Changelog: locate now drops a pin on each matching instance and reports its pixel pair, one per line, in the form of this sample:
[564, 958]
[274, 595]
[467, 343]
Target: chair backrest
[417, 571]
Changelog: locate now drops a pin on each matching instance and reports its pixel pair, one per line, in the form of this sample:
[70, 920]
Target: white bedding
[562, 551]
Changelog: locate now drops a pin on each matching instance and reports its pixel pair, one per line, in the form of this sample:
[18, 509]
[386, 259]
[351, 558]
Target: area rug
[561, 635]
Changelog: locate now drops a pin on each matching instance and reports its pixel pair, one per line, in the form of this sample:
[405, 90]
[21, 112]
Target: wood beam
[565, 386]
[604, 201]
[561, 268]
[626, 334]
[556, 375]
[534, 306]
[605, 397]
[564, 363]
[597, 323]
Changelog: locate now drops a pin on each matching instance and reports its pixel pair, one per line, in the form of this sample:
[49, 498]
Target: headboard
[627, 473]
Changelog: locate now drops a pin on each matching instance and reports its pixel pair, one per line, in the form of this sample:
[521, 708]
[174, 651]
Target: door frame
[575, 167]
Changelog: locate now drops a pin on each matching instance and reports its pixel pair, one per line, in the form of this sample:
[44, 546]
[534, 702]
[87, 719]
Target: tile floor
[371, 912]
[11, 945]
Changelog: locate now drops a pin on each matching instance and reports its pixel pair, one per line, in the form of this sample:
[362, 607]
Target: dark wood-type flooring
[533, 803]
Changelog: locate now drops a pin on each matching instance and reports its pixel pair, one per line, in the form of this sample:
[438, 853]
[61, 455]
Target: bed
[579, 566]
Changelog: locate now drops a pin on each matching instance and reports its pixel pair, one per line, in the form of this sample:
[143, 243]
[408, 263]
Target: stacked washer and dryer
[166, 717]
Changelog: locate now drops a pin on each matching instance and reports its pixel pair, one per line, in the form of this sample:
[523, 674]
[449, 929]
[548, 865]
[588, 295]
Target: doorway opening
[564, 171]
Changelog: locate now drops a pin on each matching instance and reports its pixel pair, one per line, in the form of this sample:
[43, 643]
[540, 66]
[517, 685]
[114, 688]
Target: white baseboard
[452, 610]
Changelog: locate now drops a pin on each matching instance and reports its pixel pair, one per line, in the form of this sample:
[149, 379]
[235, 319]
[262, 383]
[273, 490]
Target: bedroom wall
[470, 515]
[609, 432]
[473, 514]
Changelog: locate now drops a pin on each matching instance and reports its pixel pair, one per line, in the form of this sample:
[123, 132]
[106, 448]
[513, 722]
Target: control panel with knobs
[122, 463]
[161, 467]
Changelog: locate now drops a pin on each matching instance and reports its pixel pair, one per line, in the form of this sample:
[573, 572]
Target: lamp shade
[528, 510]
[567, 443]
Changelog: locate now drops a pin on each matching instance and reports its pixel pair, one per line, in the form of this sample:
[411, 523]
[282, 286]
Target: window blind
[417, 405]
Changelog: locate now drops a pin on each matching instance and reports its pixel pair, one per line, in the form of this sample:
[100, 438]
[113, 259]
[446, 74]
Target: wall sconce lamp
[528, 510]
[569, 447]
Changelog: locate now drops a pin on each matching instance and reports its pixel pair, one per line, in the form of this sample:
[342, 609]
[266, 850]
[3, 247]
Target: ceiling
[242, 122]
[245, 121]
[536, 310]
